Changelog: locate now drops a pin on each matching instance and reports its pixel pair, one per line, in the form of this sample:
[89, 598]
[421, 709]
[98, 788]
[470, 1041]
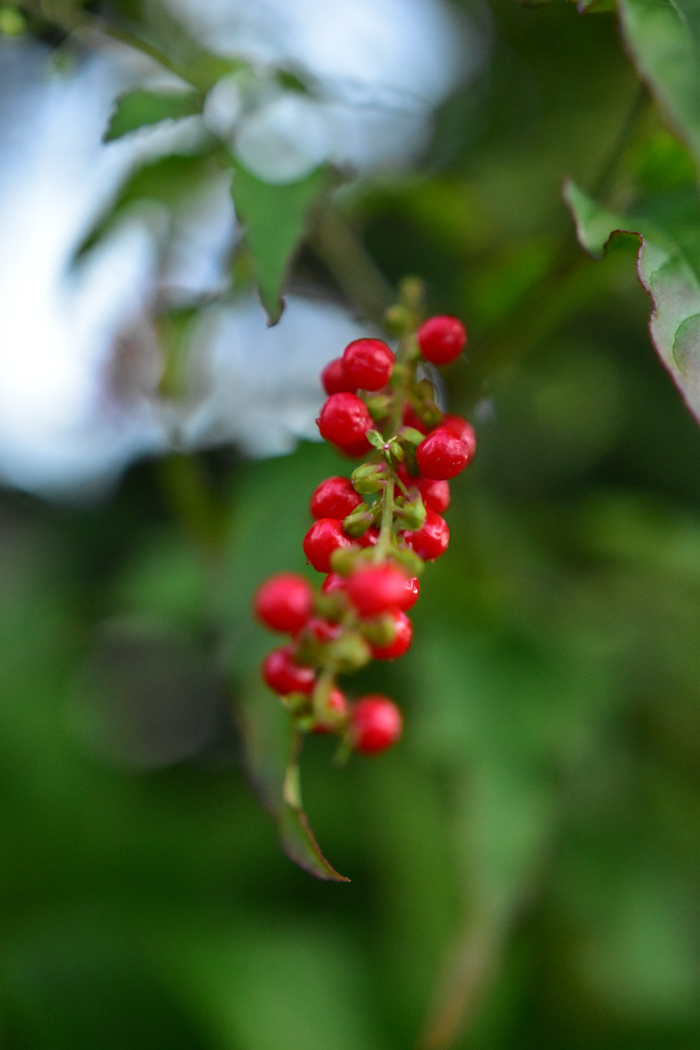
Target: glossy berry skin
[375, 724]
[333, 583]
[284, 602]
[432, 540]
[338, 711]
[334, 498]
[464, 430]
[344, 421]
[441, 339]
[334, 379]
[324, 537]
[283, 676]
[441, 455]
[368, 538]
[403, 636]
[377, 589]
[435, 494]
[410, 596]
[368, 363]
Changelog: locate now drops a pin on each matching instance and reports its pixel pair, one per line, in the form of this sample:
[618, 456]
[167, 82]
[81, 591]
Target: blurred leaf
[275, 218]
[664, 38]
[594, 224]
[504, 281]
[660, 162]
[272, 749]
[137, 109]
[594, 7]
[260, 985]
[12, 21]
[179, 50]
[668, 274]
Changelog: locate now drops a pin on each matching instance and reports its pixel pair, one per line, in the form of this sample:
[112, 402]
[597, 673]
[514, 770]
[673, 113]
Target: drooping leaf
[275, 217]
[137, 109]
[668, 268]
[298, 842]
[663, 37]
[272, 749]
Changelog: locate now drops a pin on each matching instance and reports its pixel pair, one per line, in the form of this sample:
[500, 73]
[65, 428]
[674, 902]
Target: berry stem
[324, 684]
[291, 788]
[328, 672]
[386, 532]
[406, 373]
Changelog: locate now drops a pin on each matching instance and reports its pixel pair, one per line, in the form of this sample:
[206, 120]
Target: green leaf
[668, 266]
[272, 749]
[594, 224]
[137, 109]
[663, 37]
[275, 218]
[298, 842]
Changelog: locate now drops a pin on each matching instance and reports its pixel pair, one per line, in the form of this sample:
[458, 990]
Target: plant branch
[73, 20]
[387, 527]
[571, 283]
[357, 274]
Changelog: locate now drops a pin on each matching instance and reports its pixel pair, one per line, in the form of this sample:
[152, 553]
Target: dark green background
[540, 821]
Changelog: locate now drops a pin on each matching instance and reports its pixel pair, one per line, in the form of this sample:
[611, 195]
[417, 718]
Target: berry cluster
[371, 534]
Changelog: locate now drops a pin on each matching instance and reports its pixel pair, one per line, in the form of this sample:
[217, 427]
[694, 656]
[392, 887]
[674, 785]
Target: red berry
[464, 430]
[357, 450]
[410, 595]
[337, 708]
[408, 479]
[368, 363]
[344, 420]
[334, 379]
[435, 494]
[324, 537]
[322, 630]
[334, 498]
[284, 602]
[410, 418]
[376, 589]
[283, 676]
[403, 636]
[441, 455]
[375, 724]
[432, 540]
[332, 584]
[368, 538]
[441, 339]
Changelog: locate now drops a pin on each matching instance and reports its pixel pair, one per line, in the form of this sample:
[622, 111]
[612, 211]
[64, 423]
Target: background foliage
[525, 865]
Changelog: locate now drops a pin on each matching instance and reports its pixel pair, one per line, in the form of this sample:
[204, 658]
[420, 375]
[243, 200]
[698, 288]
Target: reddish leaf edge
[671, 363]
[315, 863]
[281, 800]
